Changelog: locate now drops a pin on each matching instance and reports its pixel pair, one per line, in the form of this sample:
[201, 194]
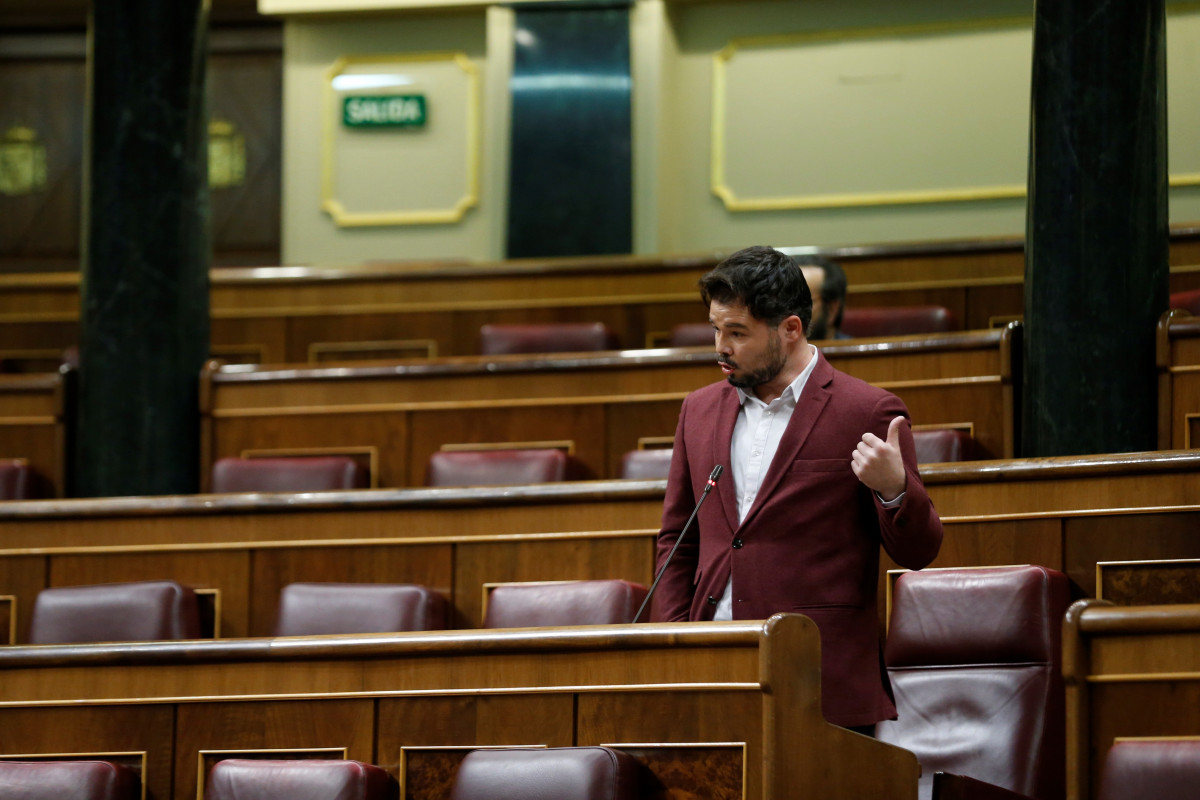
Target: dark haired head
[833, 287]
[763, 279]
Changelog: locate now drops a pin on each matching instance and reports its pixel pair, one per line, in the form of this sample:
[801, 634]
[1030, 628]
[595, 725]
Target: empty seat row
[165, 610]
[508, 467]
[566, 773]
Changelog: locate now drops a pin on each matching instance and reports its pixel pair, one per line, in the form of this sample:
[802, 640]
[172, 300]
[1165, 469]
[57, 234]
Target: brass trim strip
[447, 405]
[549, 444]
[1144, 677]
[28, 420]
[280, 544]
[732, 686]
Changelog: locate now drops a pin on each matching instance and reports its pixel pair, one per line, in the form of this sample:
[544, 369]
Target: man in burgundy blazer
[799, 532]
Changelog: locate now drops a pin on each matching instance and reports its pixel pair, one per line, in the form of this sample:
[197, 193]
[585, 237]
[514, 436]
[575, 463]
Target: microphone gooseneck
[712, 481]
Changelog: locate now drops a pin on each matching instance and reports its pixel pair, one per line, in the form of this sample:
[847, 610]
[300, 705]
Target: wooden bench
[1178, 357]
[1068, 514]
[716, 710]
[35, 420]
[598, 406]
[382, 311]
[1130, 672]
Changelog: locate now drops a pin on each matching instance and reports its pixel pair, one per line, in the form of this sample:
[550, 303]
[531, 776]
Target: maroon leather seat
[554, 773]
[550, 337]
[693, 334]
[935, 446]
[297, 474]
[646, 464]
[974, 657]
[309, 609]
[68, 780]
[1151, 769]
[1189, 301]
[115, 612]
[17, 480]
[302, 779]
[897, 321]
[500, 467]
[535, 605]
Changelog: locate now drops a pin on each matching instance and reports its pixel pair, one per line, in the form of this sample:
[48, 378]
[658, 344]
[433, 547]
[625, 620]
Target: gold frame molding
[732, 202]
[551, 444]
[317, 349]
[349, 219]
[370, 451]
[263, 753]
[97, 756]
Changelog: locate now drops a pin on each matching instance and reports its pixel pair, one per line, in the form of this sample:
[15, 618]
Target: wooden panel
[428, 565]
[22, 577]
[1089, 540]
[267, 725]
[702, 771]
[8, 619]
[132, 728]
[387, 433]
[1164, 708]
[33, 411]
[628, 557]
[583, 424]
[227, 571]
[1149, 582]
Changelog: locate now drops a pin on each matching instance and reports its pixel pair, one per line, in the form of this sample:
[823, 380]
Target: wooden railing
[715, 710]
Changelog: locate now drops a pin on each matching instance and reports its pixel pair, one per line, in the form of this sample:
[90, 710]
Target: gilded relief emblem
[226, 155]
[22, 162]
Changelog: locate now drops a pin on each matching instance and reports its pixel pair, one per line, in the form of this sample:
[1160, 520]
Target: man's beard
[775, 362]
[819, 327]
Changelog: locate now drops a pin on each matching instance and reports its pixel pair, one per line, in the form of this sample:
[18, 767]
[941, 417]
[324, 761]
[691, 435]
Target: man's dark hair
[833, 287]
[766, 281]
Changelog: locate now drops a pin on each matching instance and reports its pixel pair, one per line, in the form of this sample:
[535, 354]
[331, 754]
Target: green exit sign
[384, 111]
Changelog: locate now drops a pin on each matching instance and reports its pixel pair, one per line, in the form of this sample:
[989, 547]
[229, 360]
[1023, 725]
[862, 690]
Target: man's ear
[791, 327]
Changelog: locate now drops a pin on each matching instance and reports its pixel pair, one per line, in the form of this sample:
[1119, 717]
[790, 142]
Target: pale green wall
[782, 128]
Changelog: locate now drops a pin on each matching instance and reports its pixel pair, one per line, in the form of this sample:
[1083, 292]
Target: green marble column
[1097, 227]
[144, 318]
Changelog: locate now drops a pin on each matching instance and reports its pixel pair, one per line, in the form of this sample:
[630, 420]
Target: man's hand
[878, 463]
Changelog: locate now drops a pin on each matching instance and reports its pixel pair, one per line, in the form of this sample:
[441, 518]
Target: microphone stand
[712, 481]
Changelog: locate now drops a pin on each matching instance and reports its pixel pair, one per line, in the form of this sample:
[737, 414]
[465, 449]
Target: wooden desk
[303, 314]
[1066, 513]
[34, 422]
[730, 709]
[1130, 671]
[599, 405]
[1178, 356]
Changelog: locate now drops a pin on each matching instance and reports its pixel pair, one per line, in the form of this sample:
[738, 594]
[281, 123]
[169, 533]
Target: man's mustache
[729, 362]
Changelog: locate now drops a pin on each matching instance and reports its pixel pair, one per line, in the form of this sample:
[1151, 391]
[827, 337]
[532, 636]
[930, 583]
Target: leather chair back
[1189, 301]
[1151, 769]
[17, 481]
[554, 773]
[945, 444]
[693, 334]
[499, 467]
[310, 609]
[535, 605]
[297, 474]
[974, 657]
[288, 779]
[646, 464]
[68, 780]
[550, 337]
[115, 612]
[897, 321]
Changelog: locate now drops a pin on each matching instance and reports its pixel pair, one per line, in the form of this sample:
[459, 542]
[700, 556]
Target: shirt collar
[793, 389]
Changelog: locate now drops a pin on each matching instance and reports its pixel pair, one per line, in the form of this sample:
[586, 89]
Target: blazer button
[712, 601]
[737, 544]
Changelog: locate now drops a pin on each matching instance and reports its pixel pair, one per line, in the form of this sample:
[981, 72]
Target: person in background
[827, 284]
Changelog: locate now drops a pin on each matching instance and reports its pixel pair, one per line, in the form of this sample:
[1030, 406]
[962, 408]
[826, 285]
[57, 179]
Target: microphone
[712, 481]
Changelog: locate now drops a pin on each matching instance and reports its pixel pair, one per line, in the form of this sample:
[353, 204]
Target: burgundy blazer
[810, 543]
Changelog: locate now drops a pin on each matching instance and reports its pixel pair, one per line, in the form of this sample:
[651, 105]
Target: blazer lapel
[726, 416]
[811, 403]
